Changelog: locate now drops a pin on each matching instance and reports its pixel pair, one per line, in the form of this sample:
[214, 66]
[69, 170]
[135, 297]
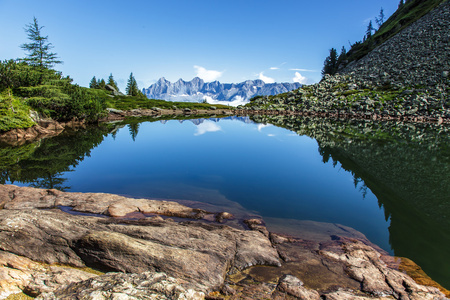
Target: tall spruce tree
[39, 49]
[132, 87]
[330, 63]
[112, 82]
[93, 84]
[369, 30]
[101, 84]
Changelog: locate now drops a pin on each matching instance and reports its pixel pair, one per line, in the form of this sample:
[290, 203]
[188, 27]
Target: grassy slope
[13, 113]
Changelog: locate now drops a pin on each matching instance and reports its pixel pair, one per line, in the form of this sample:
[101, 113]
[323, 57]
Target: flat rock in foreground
[166, 259]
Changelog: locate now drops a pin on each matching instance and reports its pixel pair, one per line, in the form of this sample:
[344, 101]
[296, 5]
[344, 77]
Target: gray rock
[110, 88]
[146, 285]
[293, 286]
[115, 111]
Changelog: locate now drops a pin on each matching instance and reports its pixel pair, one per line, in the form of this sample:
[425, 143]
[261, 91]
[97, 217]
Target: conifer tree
[343, 54]
[330, 63]
[400, 5]
[112, 82]
[380, 19]
[369, 30]
[134, 130]
[101, 84]
[132, 87]
[93, 84]
[39, 49]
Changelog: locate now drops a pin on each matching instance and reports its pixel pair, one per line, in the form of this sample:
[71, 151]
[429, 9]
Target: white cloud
[274, 68]
[238, 100]
[207, 126]
[271, 134]
[299, 78]
[265, 78]
[261, 126]
[207, 75]
[303, 70]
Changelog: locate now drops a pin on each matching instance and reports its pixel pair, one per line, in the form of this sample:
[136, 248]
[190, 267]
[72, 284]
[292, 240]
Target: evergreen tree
[330, 63]
[39, 49]
[343, 54]
[112, 82]
[400, 5]
[101, 84]
[132, 87]
[93, 84]
[380, 19]
[369, 30]
[134, 130]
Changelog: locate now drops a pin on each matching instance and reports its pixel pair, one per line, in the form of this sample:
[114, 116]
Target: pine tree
[134, 130]
[400, 5]
[39, 48]
[369, 30]
[93, 84]
[343, 54]
[101, 84]
[112, 82]
[132, 87]
[330, 63]
[380, 19]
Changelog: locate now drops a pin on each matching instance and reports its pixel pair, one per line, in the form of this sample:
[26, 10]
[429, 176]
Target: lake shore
[49, 128]
[191, 253]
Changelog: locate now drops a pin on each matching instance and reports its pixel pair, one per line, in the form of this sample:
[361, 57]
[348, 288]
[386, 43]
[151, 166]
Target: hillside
[406, 77]
[405, 15]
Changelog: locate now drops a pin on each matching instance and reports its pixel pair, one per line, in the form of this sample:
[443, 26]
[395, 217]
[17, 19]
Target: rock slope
[193, 256]
[404, 78]
[417, 56]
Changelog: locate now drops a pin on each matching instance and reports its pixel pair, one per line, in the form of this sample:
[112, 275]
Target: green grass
[13, 113]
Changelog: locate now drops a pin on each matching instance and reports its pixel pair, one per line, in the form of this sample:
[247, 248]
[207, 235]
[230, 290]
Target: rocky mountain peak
[197, 90]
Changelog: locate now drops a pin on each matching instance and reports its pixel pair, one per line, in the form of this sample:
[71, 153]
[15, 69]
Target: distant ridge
[197, 90]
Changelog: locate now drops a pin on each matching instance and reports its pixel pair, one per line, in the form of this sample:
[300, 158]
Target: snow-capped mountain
[197, 90]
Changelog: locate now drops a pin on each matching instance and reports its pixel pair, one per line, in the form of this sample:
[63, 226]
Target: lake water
[389, 181]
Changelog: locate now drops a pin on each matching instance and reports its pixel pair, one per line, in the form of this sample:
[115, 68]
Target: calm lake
[389, 181]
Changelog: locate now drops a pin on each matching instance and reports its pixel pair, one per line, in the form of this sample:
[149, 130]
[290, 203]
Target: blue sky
[229, 41]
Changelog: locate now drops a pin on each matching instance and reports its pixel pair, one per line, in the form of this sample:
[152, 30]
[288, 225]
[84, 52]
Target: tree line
[132, 88]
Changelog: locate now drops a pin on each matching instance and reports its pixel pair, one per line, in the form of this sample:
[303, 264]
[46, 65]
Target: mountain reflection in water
[404, 167]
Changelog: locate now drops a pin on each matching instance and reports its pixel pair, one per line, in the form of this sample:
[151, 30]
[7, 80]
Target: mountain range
[197, 90]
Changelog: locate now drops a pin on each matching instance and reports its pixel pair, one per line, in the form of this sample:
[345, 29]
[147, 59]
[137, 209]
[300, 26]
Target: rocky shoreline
[149, 249]
[351, 97]
[46, 128]
[50, 128]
